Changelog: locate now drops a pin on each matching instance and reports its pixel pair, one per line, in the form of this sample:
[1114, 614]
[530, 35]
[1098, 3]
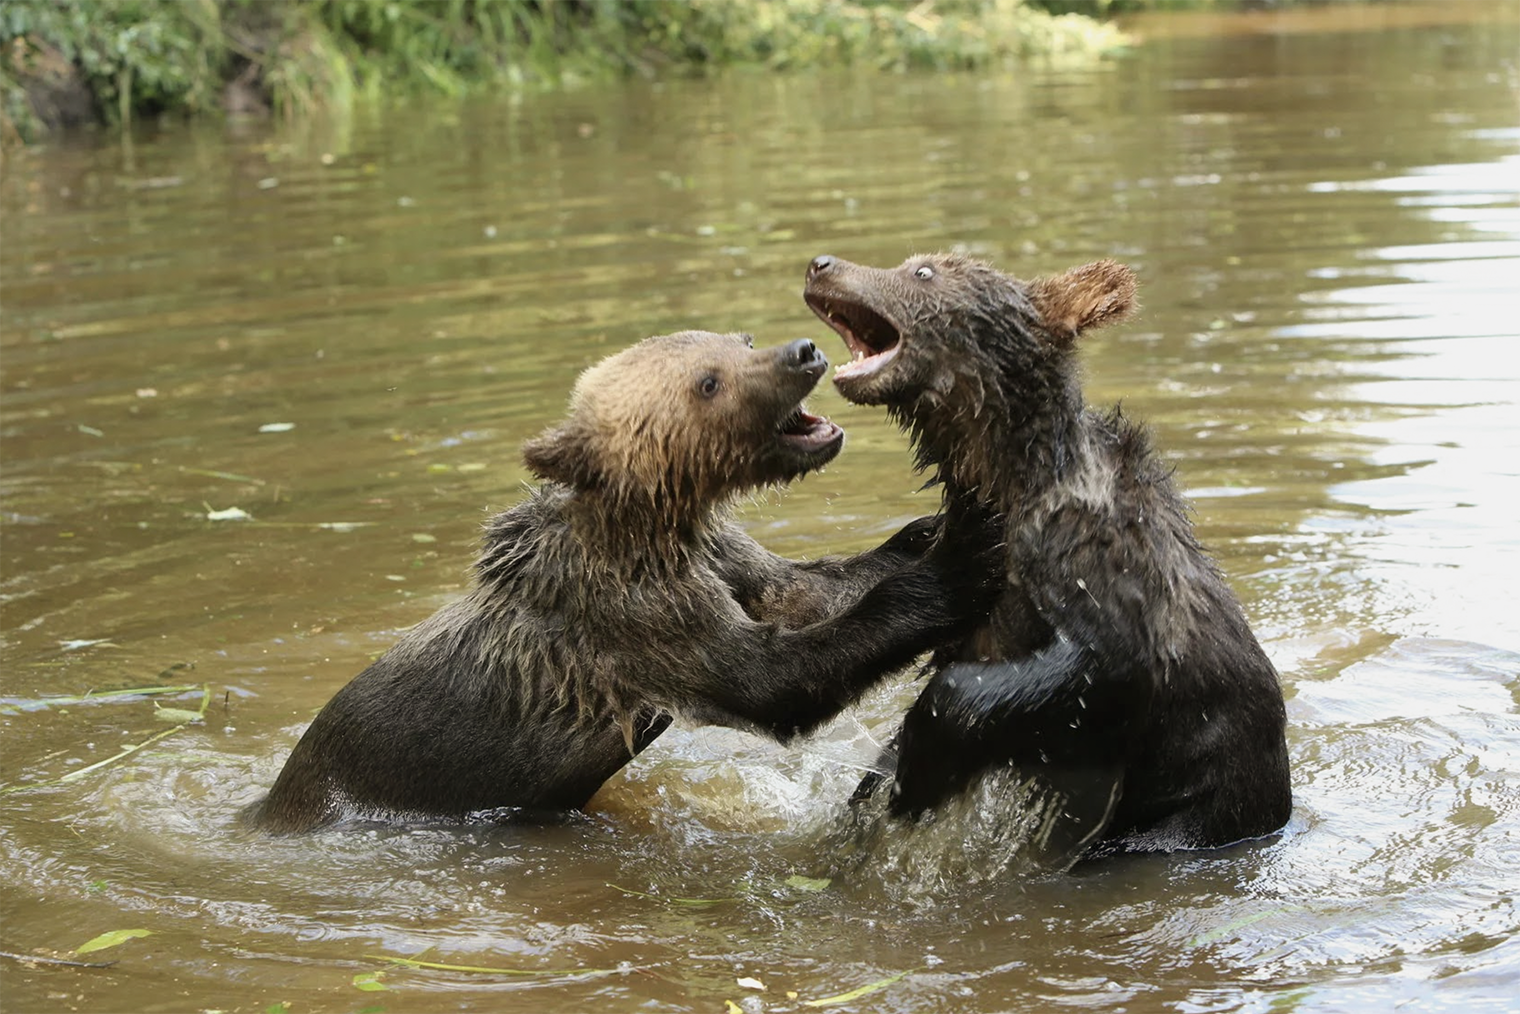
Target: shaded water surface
[347, 334]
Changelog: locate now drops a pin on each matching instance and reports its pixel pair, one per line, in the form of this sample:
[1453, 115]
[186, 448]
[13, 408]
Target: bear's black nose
[820, 264]
[802, 354]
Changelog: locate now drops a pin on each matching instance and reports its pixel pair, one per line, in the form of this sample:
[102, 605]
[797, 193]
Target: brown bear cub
[619, 594]
[1116, 669]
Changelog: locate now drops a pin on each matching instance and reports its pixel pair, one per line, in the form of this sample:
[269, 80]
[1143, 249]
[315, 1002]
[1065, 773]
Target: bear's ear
[564, 454]
[1092, 295]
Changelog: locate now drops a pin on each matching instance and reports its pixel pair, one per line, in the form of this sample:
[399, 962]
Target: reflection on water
[348, 335]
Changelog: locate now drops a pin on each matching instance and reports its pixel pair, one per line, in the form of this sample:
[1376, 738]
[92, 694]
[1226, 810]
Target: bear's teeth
[859, 355]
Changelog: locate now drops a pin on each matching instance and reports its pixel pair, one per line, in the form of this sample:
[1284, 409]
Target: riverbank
[110, 62]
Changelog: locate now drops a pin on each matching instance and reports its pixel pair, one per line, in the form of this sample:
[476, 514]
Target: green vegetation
[74, 61]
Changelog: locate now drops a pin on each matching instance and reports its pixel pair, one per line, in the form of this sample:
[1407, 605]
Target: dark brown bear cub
[619, 594]
[1116, 667]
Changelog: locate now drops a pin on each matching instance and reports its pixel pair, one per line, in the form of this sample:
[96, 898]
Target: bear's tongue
[805, 430]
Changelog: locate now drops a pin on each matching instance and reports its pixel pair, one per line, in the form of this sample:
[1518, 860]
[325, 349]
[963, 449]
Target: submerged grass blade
[487, 970]
[1220, 932]
[212, 473]
[182, 717]
[856, 994]
[670, 899]
[81, 772]
[331, 526]
[34, 703]
[37, 959]
[129, 751]
[178, 716]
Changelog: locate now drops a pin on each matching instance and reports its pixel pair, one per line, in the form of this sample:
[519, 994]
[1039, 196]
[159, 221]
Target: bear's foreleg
[1055, 715]
[787, 682]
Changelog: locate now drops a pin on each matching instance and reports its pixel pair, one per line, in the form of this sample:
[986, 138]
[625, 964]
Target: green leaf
[111, 939]
[1289, 1001]
[280, 1007]
[369, 982]
[800, 883]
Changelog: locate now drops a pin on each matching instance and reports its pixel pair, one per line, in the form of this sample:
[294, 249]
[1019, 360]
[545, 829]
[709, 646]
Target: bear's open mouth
[871, 338]
[806, 432]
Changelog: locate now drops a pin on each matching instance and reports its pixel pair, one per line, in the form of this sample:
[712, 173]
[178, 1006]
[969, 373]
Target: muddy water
[346, 331]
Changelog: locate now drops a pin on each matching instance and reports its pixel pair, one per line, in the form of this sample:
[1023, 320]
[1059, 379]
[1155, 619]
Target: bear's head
[680, 423]
[939, 325]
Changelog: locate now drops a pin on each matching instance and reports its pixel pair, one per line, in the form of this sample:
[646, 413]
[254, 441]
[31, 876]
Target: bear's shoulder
[520, 537]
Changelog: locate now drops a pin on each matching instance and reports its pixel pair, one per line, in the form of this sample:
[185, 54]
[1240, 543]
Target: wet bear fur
[619, 594]
[1116, 671]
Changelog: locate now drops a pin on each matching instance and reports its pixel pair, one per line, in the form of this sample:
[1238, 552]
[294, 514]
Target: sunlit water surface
[347, 333]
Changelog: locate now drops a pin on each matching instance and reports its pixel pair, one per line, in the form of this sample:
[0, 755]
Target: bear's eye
[708, 386]
[924, 271]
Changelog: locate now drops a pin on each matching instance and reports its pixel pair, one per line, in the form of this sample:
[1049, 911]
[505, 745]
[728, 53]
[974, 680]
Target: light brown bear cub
[620, 593]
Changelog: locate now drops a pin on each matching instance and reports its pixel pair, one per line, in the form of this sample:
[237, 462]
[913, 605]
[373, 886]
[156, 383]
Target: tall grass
[108, 58]
[121, 59]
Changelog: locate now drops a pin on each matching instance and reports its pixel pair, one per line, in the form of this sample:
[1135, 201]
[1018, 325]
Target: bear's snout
[820, 264]
[803, 355]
